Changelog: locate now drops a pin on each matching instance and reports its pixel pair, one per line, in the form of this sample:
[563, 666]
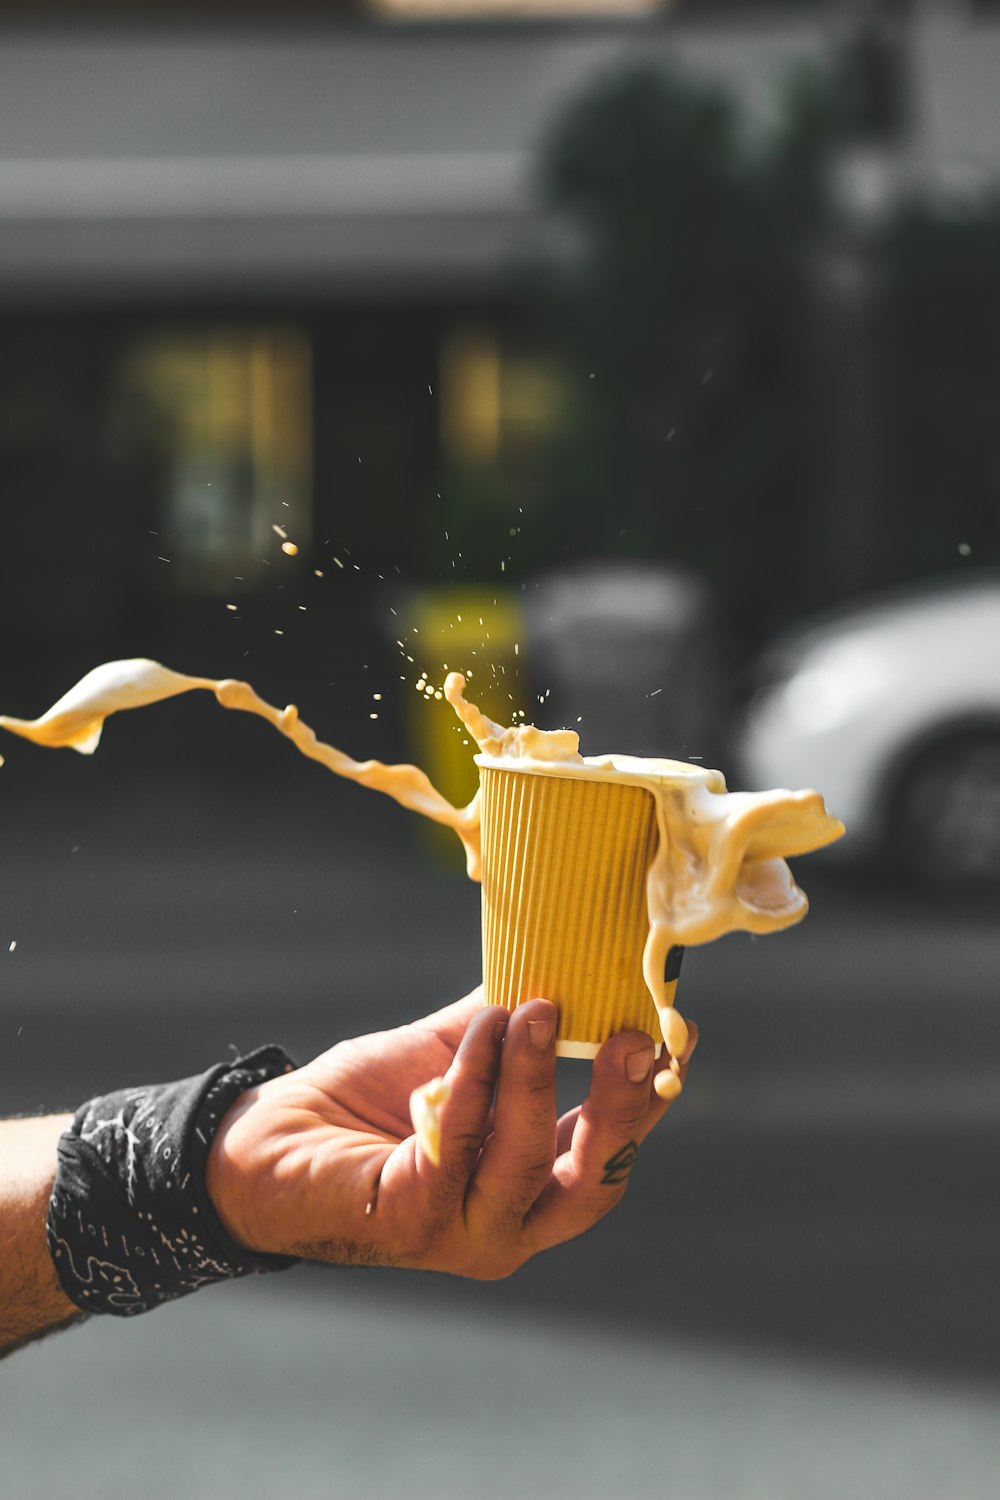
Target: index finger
[466, 1112]
[517, 1159]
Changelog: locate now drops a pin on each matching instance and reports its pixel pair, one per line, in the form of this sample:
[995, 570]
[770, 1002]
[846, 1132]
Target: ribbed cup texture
[564, 899]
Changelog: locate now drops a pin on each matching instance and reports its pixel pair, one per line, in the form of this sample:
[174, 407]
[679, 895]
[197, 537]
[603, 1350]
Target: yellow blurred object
[496, 403]
[478, 631]
[233, 406]
[470, 396]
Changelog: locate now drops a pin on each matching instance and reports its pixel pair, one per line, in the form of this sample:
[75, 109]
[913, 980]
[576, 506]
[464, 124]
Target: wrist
[228, 1167]
[131, 1223]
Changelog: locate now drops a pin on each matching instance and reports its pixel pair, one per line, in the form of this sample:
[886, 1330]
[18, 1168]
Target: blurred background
[640, 359]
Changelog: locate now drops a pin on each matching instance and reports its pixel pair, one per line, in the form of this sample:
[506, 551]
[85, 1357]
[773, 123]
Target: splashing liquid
[719, 861]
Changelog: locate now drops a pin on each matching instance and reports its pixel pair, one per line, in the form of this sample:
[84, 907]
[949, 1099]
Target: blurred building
[253, 262]
[299, 156]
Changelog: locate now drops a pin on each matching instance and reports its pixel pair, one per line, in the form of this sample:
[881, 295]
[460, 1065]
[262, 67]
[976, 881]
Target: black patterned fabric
[130, 1222]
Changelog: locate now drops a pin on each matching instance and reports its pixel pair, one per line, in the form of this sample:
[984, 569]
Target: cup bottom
[589, 1050]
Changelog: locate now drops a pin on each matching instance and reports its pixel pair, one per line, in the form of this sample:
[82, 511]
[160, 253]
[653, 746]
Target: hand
[323, 1162]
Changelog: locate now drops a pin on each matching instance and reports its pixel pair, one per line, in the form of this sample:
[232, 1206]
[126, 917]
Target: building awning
[129, 225]
[175, 162]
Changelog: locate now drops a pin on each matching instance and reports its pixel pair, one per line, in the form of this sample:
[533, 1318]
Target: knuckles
[626, 1118]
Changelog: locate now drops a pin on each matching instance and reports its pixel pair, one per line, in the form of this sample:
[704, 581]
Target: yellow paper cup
[565, 916]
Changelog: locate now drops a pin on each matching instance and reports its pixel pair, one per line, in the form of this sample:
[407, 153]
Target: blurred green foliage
[683, 329]
[698, 421]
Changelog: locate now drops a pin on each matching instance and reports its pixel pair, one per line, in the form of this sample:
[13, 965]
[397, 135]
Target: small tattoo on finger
[617, 1168]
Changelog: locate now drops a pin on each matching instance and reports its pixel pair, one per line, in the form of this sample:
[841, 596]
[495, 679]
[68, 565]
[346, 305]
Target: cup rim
[615, 770]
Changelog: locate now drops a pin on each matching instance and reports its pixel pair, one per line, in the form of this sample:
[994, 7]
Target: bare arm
[323, 1162]
[31, 1300]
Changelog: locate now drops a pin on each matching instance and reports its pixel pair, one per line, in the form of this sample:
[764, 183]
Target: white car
[892, 710]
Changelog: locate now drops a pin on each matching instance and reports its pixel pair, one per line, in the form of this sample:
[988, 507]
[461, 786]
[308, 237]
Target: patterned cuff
[130, 1222]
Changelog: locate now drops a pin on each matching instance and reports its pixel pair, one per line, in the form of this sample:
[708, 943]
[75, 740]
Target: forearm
[31, 1299]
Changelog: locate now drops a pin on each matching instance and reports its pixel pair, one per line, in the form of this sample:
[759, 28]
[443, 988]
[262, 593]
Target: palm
[364, 1085]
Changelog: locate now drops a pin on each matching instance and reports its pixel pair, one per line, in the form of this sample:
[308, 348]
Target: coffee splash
[720, 859]
[76, 722]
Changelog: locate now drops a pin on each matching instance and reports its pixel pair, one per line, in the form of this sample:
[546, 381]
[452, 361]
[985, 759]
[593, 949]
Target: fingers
[662, 1071]
[615, 1118]
[517, 1160]
[501, 1193]
[465, 1114]
[565, 1129]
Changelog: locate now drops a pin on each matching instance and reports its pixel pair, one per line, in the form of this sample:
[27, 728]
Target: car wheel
[946, 820]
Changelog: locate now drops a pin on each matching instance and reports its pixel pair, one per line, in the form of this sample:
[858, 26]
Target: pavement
[311, 1384]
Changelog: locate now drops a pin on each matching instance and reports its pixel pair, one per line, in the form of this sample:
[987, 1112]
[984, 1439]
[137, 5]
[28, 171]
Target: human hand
[324, 1163]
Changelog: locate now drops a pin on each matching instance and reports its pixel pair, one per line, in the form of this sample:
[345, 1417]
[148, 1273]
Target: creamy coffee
[719, 859]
